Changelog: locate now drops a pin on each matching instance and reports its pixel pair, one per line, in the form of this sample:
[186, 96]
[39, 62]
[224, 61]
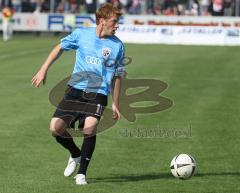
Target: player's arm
[40, 76]
[117, 82]
[116, 91]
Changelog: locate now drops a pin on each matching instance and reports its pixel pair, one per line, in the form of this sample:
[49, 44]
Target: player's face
[110, 25]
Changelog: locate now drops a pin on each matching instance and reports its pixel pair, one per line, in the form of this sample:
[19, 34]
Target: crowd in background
[155, 7]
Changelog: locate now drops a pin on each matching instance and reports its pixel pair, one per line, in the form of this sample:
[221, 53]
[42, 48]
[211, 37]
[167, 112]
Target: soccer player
[97, 73]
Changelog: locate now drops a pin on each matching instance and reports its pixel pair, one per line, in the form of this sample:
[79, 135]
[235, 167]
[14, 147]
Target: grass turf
[203, 84]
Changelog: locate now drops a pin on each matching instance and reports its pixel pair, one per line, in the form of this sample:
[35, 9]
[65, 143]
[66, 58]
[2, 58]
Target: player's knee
[90, 126]
[56, 126]
[88, 132]
[53, 130]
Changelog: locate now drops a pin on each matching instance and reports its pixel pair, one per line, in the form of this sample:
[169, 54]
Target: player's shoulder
[117, 41]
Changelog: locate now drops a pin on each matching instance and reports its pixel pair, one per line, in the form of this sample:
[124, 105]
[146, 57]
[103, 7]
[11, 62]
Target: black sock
[69, 144]
[88, 147]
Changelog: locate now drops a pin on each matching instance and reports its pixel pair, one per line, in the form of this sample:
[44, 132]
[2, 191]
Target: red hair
[106, 11]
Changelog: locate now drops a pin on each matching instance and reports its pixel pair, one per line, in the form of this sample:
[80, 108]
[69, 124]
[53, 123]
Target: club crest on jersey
[106, 52]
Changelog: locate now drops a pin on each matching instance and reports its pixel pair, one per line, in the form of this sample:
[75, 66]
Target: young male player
[97, 73]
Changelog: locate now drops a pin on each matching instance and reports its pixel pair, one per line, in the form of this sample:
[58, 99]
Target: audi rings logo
[93, 60]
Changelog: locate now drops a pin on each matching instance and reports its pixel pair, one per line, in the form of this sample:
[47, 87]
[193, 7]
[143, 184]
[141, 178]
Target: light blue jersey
[97, 60]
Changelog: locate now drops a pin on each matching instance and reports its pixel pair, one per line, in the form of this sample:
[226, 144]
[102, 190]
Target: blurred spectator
[117, 3]
[7, 28]
[70, 6]
[82, 6]
[229, 7]
[156, 7]
[91, 6]
[134, 7]
[33, 4]
[170, 7]
[204, 6]
[181, 8]
[45, 6]
[60, 6]
[27, 6]
[193, 8]
[17, 5]
[150, 7]
[6, 3]
[216, 8]
[73, 6]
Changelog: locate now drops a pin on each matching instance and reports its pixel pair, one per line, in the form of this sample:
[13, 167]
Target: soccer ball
[183, 166]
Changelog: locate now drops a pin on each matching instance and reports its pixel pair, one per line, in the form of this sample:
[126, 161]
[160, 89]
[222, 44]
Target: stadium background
[203, 83]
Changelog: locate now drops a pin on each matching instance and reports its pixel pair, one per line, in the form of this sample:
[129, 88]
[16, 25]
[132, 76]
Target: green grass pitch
[203, 83]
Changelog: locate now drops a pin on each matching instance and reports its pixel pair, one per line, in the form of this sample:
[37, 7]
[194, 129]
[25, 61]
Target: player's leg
[5, 30]
[91, 121]
[58, 129]
[10, 30]
[88, 146]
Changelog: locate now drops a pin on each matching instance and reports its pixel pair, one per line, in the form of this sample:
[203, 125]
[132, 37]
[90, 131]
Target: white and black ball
[183, 166]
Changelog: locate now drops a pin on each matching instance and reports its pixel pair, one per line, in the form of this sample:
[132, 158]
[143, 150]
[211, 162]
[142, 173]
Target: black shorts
[77, 105]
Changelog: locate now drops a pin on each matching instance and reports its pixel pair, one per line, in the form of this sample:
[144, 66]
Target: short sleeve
[120, 68]
[71, 41]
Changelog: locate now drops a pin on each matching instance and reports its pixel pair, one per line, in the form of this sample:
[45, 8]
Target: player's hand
[116, 112]
[39, 78]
